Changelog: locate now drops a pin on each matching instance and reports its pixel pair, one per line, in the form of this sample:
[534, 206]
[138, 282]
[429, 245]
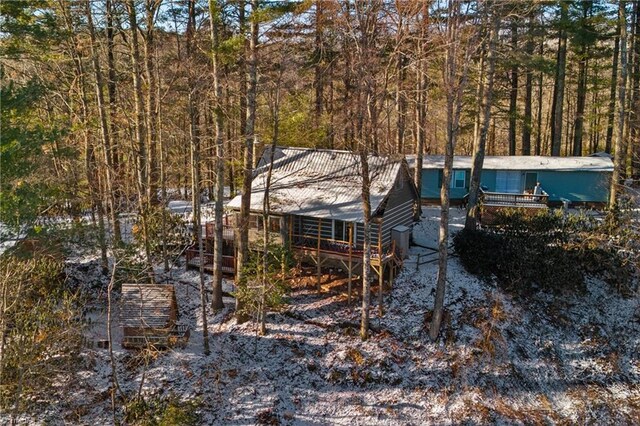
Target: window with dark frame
[458, 179]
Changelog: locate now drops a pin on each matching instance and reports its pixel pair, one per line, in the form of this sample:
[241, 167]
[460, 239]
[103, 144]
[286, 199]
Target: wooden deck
[341, 255]
[514, 200]
[193, 262]
[177, 336]
[494, 202]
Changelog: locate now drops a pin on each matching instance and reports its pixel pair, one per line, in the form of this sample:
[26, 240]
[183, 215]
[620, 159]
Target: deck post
[380, 270]
[319, 262]
[350, 264]
[393, 264]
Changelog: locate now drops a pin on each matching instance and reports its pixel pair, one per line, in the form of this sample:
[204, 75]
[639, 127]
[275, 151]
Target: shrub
[162, 412]
[279, 262]
[546, 251]
[39, 330]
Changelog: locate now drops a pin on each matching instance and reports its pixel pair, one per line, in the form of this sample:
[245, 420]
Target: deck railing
[210, 231]
[513, 200]
[338, 247]
[193, 259]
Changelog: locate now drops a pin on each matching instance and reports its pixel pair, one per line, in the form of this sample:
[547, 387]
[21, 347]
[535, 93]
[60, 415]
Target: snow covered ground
[502, 360]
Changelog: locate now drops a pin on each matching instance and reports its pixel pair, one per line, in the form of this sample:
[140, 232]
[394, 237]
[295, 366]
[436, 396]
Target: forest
[108, 102]
[112, 109]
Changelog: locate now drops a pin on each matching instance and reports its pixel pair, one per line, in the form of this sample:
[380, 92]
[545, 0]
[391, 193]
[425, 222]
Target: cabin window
[340, 230]
[274, 224]
[255, 222]
[459, 179]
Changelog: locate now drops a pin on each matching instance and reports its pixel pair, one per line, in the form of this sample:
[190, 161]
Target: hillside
[572, 359]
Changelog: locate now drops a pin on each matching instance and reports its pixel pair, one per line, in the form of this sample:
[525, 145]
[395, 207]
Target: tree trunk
[218, 242]
[455, 81]
[93, 181]
[539, 105]
[401, 75]
[138, 102]
[620, 147]
[194, 144]
[197, 223]
[558, 88]
[242, 70]
[634, 120]
[151, 103]
[482, 127]
[245, 206]
[266, 211]
[111, 90]
[528, 90]
[612, 92]
[421, 104]
[513, 99]
[104, 126]
[581, 90]
[318, 69]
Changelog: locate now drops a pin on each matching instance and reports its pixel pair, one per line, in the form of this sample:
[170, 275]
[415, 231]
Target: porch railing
[210, 230]
[193, 259]
[513, 200]
[339, 247]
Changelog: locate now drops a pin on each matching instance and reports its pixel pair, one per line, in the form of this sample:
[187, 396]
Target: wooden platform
[193, 262]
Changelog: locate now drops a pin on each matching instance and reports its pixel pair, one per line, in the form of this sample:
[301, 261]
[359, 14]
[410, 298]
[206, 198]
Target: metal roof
[320, 183]
[521, 162]
[147, 305]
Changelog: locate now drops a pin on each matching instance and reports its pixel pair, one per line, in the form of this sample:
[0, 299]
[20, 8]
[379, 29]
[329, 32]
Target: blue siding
[577, 186]
[431, 185]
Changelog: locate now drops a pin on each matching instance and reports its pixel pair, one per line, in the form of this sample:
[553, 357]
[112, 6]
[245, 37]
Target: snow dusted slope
[550, 360]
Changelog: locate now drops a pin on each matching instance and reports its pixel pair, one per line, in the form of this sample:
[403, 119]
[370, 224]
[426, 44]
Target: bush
[279, 261]
[546, 251]
[162, 412]
[39, 330]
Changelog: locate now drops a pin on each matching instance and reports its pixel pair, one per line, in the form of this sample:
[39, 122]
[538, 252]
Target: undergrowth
[548, 251]
[162, 412]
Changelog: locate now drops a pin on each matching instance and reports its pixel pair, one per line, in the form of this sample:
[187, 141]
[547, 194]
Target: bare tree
[611, 110]
[557, 108]
[104, 126]
[151, 102]
[363, 33]
[483, 120]
[620, 146]
[214, 11]
[194, 138]
[455, 80]
[91, 168]
[421, 98]
[634, 119]
[249, 135]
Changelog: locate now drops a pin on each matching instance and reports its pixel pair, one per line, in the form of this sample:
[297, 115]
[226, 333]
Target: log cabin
[316, 207]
